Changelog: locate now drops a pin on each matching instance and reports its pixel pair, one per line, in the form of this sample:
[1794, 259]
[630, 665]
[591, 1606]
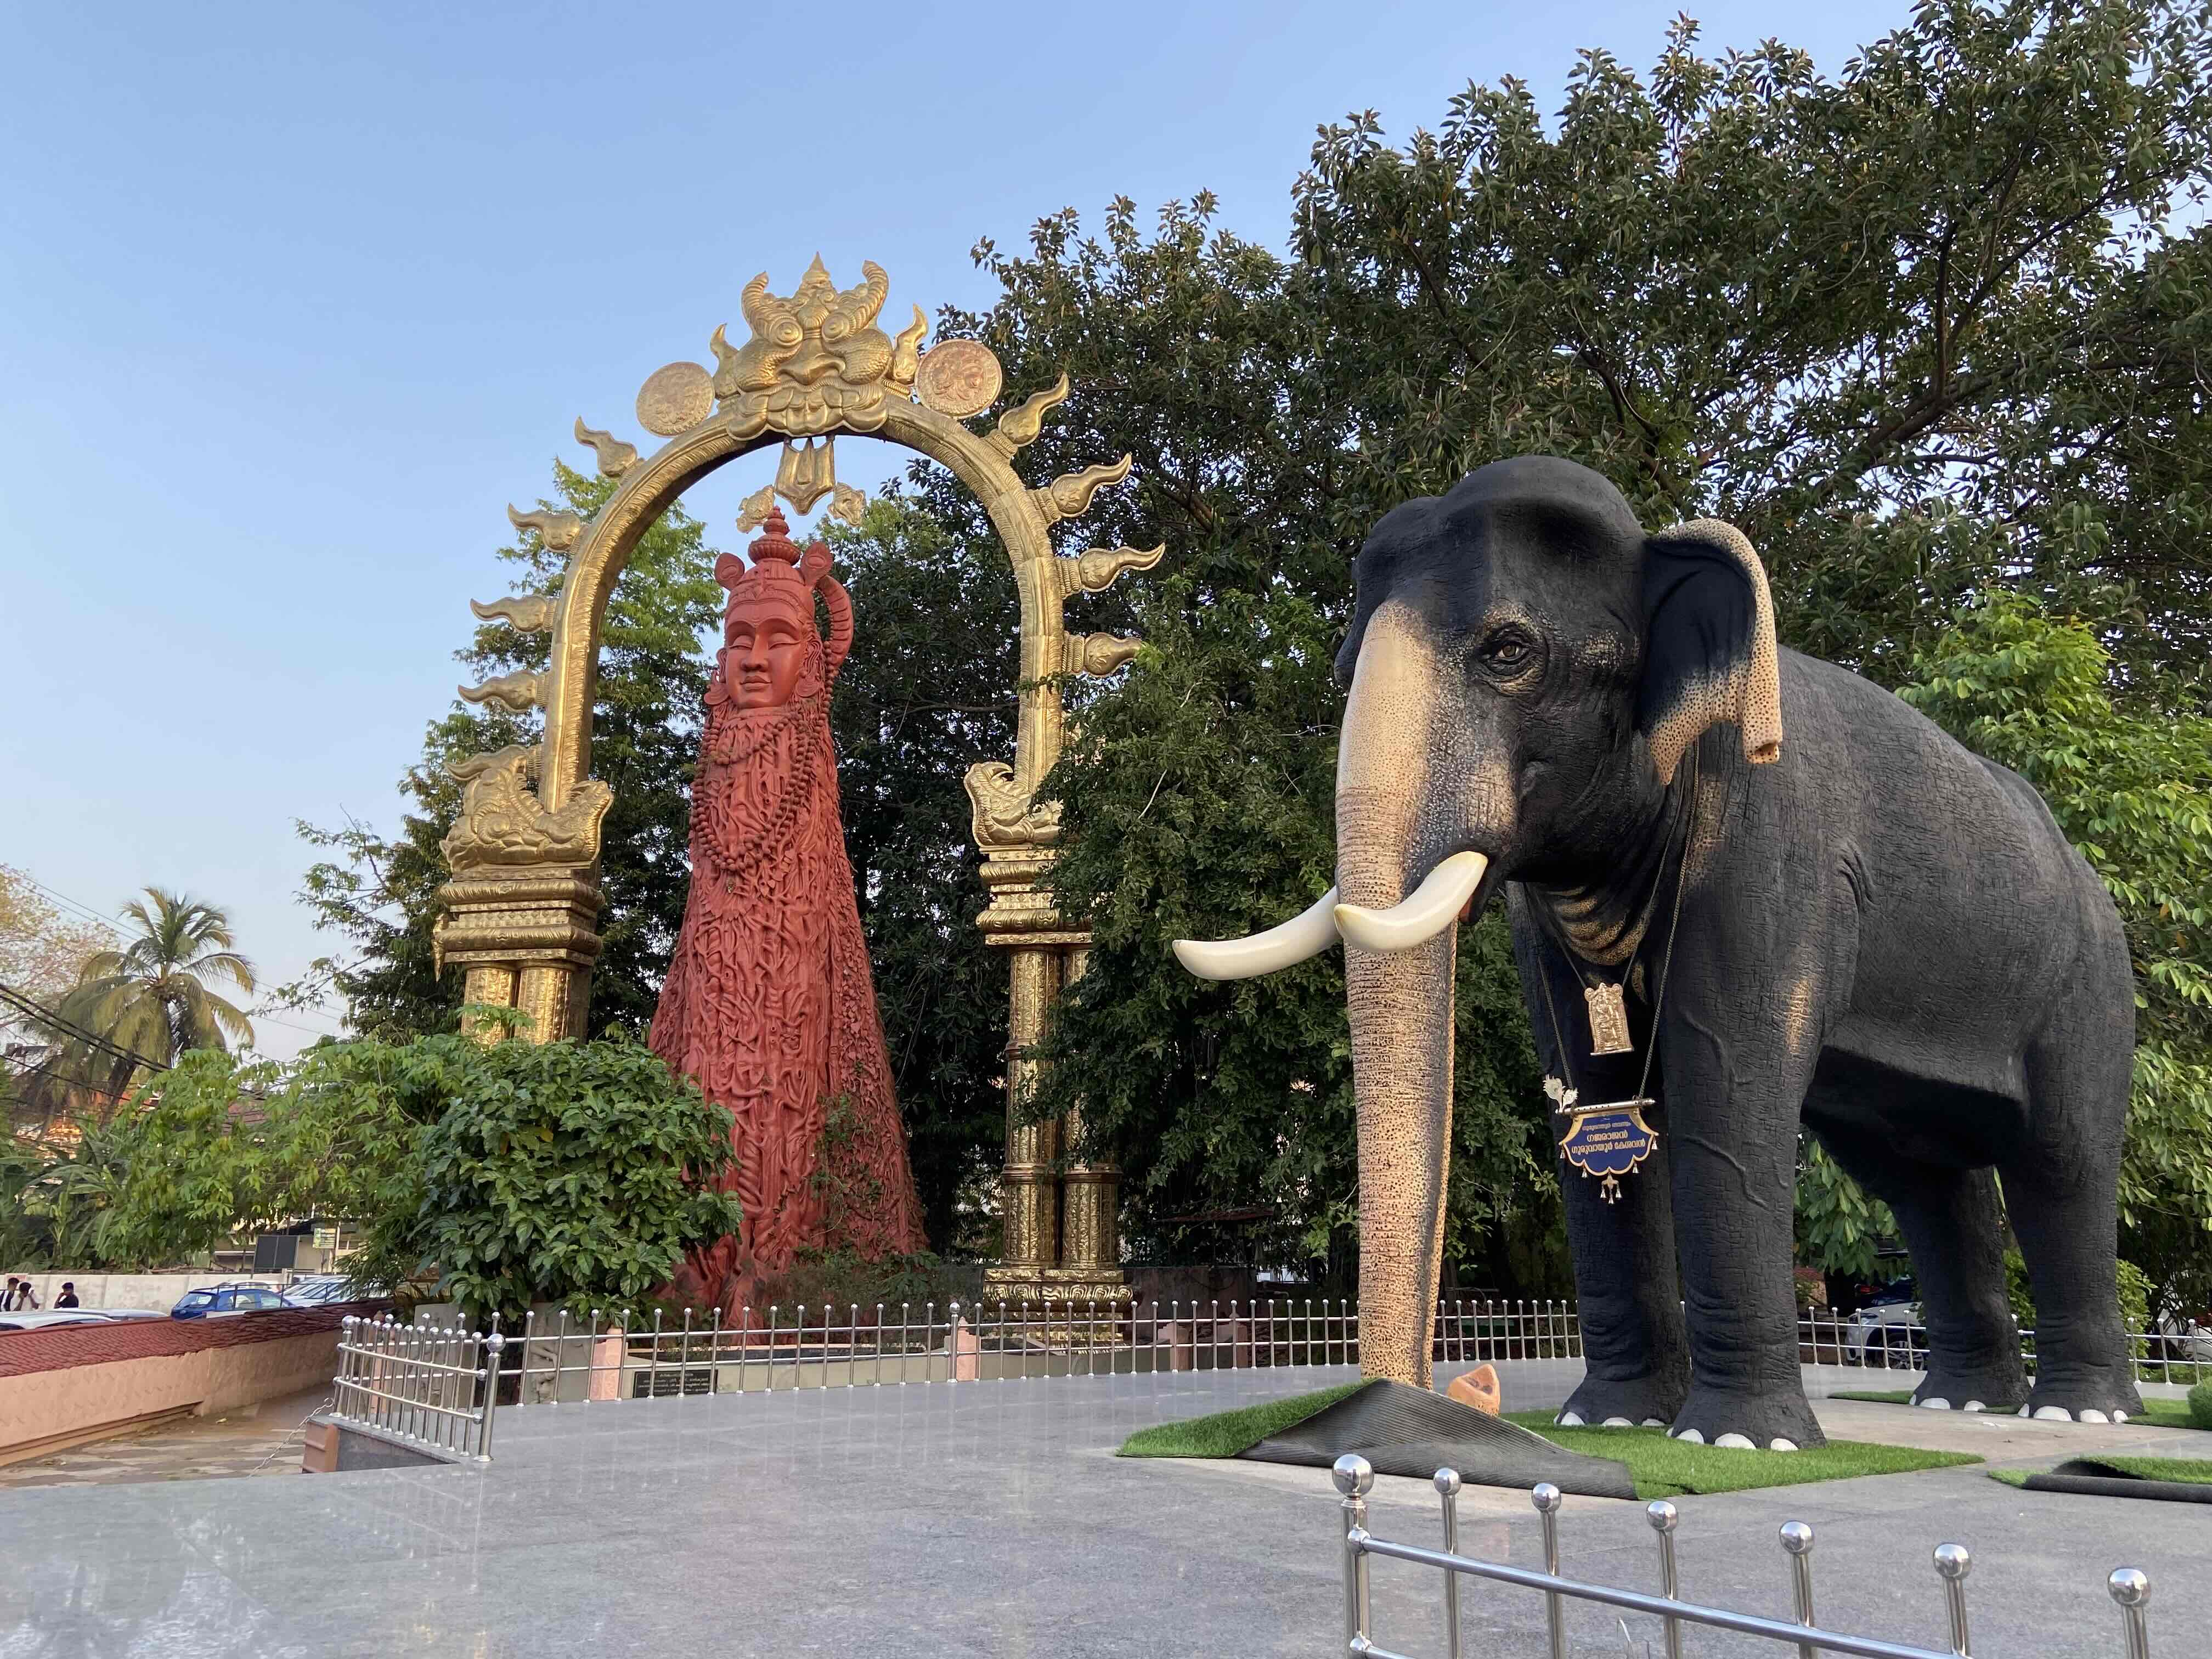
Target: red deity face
[767, 635]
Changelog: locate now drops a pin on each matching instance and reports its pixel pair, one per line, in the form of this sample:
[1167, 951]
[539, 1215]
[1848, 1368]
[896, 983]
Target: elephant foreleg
[1637, 1360]
[1735, 1098]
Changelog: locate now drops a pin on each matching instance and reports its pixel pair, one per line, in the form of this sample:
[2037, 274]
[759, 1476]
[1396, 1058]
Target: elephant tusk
[1422, 914]
[1305, 935]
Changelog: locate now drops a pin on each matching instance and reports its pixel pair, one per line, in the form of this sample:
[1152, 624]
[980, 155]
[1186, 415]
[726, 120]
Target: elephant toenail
[1618, 1423]
[1735, 1442]
[1693, 1437]
[1653, 1423]
[2119, 1417]
[1569, 1421]
[2053, 1414]
[1973, 1405]
[1935, 1402]
[2091, 1414]
[1779, 1444]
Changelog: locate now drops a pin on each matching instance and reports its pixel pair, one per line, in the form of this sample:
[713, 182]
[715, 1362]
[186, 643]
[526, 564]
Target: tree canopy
[1928, 330]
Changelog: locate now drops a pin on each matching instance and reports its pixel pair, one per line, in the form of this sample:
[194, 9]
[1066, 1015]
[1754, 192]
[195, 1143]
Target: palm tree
[151, 998]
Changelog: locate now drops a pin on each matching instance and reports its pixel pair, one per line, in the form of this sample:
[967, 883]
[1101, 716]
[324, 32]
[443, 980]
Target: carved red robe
[769, 1003]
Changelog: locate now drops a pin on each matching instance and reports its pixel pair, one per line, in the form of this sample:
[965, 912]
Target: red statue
[769, 1004]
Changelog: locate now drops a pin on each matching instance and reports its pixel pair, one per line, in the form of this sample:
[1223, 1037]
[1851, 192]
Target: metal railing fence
[2129, 1589]
[1825, 1339]
[425, 1385]
[431, 1384]
[589, 1359]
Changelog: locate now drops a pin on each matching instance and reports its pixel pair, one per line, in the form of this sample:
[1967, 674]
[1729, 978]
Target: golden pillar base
[527, 941]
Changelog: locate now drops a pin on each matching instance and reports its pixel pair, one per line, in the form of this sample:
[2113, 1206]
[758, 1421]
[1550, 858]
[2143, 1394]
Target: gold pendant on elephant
[1609, 1020]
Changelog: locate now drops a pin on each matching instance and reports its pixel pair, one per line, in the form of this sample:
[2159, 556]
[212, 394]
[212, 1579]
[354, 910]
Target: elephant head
[1527, 668]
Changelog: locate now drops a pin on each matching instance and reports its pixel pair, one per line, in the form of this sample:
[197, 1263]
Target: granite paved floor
[991, 1519]
[251, 1442]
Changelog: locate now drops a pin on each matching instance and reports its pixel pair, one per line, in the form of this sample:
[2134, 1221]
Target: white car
[1886, 1333]
[31, 1319]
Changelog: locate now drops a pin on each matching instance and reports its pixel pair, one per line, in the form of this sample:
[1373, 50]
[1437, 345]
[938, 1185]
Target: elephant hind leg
[2061, 1192]
[1953, 1225]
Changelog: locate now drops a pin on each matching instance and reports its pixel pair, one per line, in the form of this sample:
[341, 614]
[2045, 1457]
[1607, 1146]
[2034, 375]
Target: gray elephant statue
[1868, 931]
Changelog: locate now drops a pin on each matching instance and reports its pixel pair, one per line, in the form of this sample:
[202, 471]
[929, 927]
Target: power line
[45, 1016]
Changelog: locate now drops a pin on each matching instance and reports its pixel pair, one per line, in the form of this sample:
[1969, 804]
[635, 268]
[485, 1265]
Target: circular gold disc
[675, 399]
[958, 378]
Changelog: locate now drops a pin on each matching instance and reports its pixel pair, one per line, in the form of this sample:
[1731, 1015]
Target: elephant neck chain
[1608, 1011]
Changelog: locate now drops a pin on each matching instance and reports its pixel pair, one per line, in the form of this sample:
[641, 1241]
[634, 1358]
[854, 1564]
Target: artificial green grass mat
[1660, 1467]
[2195, 1471]
[1225, 1434]
[2158, 1412]
[1669, 1469]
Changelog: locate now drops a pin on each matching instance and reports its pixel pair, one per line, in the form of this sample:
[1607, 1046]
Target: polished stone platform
[993, 1519]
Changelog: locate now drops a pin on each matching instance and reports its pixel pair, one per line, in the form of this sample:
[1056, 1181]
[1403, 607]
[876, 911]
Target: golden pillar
[521, 913]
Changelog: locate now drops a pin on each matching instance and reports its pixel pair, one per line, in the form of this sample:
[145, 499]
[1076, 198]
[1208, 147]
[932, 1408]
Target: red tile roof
[61, 1347]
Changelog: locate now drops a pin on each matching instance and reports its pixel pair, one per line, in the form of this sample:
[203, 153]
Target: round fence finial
[1796, 1538]
[1544, 1496]
[1661, 1515]
[2130, 1586]
[1952, 1561]
[1446, 1482]
[1354, 1474]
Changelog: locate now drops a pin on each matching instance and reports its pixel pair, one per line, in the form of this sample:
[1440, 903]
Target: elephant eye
[1506, 652]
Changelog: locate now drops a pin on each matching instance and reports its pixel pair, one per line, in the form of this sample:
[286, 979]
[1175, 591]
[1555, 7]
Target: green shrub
[2200, 1406]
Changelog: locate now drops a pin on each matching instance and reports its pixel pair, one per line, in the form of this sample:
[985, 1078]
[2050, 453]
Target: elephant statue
[1869, 931]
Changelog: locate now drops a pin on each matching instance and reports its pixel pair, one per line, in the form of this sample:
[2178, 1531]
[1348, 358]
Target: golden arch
[521, 914]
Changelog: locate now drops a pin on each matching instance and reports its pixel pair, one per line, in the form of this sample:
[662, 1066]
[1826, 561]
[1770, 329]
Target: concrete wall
[77, 1383]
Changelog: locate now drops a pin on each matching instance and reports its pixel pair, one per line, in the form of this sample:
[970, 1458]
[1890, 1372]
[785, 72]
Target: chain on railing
[430, 1386]
[1354, 1478]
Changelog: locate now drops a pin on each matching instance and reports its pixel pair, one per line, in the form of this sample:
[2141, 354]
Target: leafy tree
[507, 1174]
[928, 691]
[42, 951]
[2132, 789]
[1924, 329]
[152, 997]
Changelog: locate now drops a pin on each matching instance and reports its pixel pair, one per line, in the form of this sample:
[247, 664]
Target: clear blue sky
[294, 298]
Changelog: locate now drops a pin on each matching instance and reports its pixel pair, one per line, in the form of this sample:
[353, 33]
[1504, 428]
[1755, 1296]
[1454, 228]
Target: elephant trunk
[1399, 999]
[1401, 1007]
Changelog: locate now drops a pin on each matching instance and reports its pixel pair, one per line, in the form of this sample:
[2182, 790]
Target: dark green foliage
[928, 691]
[2200, 1406]
[567, 1172]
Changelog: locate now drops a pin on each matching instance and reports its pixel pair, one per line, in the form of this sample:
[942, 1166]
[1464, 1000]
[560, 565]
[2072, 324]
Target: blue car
[223, 1301]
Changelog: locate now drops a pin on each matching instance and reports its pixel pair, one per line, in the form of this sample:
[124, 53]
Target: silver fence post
[1545, 1497]
[493, 1347]
[529, 1330]
[2130, 1588]
[1661, 1515]
[1355, 1479]
[1447, 1485]
[1952, 1563]
[1797, 1540]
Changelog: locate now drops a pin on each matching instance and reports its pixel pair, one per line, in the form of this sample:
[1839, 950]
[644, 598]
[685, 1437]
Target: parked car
[316, 1290]
[124, 1314]
[1886, 1333]
[32, 1320]
[223, 1301]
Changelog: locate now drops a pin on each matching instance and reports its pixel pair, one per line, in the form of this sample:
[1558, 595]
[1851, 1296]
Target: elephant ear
[1709, 652]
